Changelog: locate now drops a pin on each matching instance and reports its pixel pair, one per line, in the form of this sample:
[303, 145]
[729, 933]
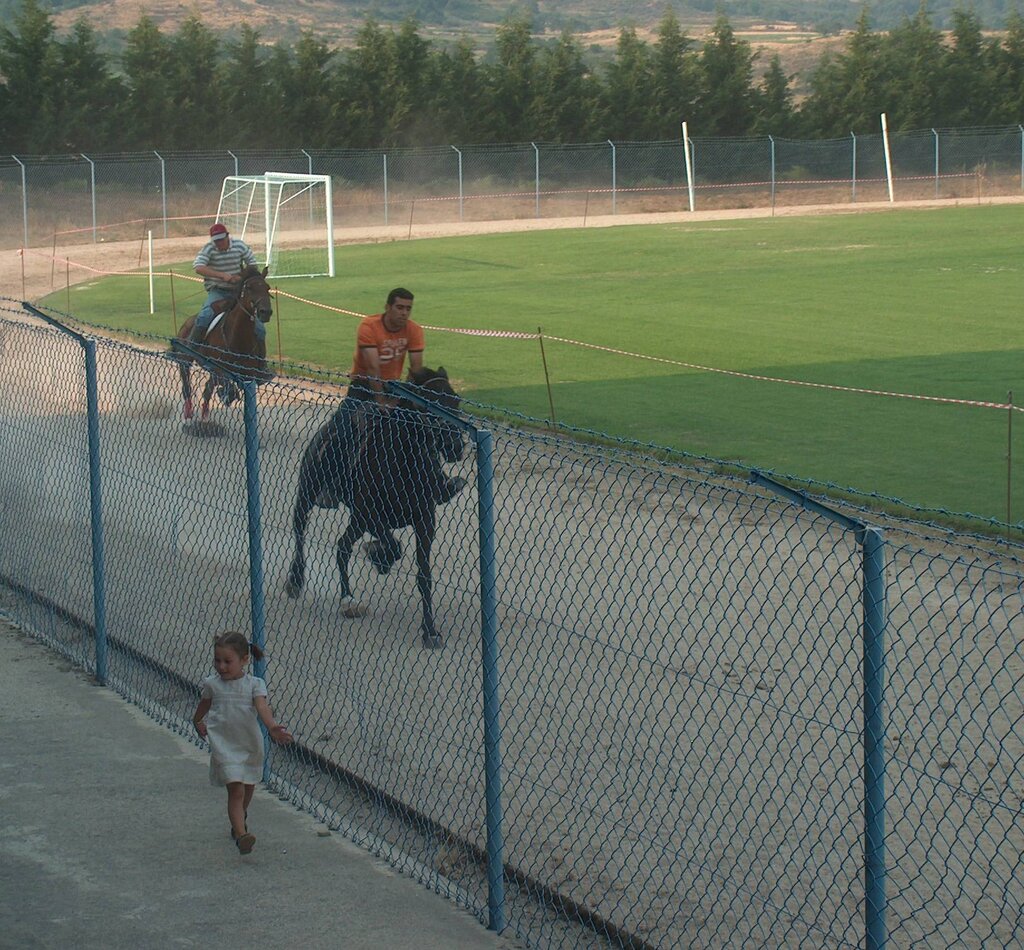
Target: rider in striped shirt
[219, 263]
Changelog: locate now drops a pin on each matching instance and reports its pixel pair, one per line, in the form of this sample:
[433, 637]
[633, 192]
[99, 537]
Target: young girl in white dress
[226, 716]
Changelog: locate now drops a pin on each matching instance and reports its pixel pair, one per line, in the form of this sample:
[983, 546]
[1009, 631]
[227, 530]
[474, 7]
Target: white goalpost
[287, 220]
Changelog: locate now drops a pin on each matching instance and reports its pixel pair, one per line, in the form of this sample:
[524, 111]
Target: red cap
[218, 231]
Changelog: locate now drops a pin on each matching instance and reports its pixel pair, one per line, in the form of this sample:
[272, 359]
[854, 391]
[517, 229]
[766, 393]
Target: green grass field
[922, 301]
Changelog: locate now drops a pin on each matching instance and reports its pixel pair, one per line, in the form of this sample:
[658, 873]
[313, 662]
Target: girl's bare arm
[199, 716]
[277, 732]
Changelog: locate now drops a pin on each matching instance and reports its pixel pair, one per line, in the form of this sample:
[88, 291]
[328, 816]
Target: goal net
[286, 219]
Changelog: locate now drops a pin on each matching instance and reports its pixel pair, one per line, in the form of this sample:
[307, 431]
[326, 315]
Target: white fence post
[92, 191]
[163, 188]
[536, 180]
[689, 164]
[888, 156]
[24, 195]
[612, 144]
[853, 191]
[457, 152]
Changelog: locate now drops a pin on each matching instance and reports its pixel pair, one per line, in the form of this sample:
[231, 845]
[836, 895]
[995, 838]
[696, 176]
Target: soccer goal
[286, 219]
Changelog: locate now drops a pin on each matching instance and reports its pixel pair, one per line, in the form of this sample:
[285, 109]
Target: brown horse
[231, 342]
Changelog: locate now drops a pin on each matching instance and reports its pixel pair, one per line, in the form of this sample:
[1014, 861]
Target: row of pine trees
[193, 89]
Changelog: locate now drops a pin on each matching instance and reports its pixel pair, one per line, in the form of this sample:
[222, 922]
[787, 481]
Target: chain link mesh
[681, 659]
[175, 193]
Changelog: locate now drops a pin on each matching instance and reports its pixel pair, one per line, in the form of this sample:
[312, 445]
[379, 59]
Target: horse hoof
[189, 411]
[351, 608]
[204, 414]
[382, 559]
[292, 589]
[433, 641]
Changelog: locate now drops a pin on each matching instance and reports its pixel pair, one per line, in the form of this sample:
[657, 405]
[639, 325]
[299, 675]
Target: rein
[251, 314]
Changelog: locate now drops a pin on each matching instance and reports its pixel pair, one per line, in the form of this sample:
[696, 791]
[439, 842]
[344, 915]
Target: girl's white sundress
[233, 729]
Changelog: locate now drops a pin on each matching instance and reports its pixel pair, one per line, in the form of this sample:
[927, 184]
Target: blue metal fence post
[252, 493]
[99, 570]
[491, 684]
[252, 490]
[99, 596]
[874, 739]
[873, 670]
[489, 649]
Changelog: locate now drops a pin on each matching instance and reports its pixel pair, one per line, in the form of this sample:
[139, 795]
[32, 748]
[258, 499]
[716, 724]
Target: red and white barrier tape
[791, 382]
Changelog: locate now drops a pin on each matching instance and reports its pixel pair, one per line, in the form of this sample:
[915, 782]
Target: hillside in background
[592, 21]
[798, 31]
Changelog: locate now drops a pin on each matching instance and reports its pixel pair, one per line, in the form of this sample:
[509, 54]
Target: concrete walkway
[111, 837]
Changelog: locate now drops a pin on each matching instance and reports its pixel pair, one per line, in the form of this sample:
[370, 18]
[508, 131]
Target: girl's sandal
[245, 842]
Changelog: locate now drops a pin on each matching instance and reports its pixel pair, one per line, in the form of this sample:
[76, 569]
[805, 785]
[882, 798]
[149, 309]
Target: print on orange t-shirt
[391, 347]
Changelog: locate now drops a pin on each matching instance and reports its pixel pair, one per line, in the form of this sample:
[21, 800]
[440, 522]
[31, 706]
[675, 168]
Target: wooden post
[277, 320]
[547, 378]
[174, 308]
[1009, 456]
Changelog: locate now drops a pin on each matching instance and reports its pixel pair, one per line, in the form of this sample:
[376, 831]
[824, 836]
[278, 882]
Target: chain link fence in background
[729, 715]
[77, 198]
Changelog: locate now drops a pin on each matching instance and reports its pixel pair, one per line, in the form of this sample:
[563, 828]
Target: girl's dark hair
[239, 643]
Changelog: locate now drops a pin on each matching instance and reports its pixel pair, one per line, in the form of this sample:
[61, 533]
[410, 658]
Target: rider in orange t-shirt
[381, 345]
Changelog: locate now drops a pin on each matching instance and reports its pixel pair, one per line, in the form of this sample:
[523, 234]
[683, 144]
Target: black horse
[395, 480]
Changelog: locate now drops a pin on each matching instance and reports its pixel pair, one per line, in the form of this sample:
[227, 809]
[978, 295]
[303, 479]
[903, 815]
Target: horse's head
[433, 385]
[254, 294]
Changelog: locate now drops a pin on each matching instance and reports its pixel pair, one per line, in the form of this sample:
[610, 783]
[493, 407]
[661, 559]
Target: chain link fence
[77, 198]
[713, 730]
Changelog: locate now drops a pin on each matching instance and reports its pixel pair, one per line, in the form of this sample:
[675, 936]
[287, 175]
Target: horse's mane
[433, 384]
[423, 375]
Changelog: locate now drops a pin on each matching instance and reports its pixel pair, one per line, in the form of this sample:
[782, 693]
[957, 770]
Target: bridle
[251, 307]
